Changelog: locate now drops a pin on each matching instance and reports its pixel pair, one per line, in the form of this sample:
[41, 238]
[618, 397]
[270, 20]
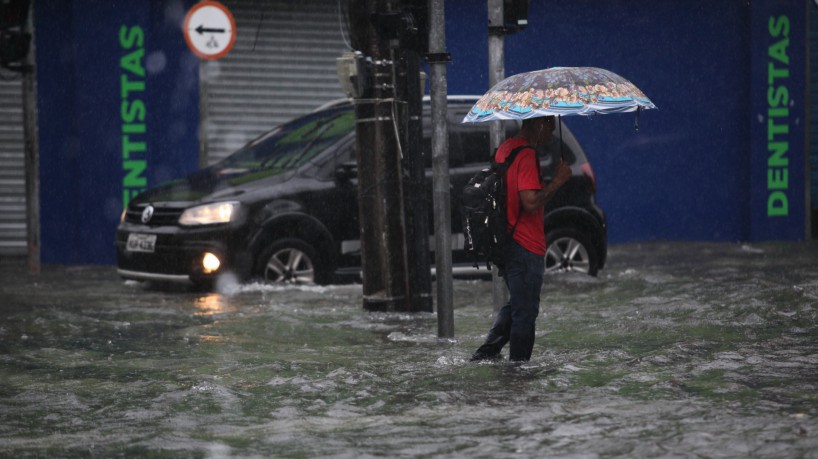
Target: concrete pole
[32, 153]
[497, 71]
[380, 172]
[440, 170]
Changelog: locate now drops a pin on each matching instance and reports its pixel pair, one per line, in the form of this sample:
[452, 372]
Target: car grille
[162, 216]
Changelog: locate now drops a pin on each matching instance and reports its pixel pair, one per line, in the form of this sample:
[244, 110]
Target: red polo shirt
[523, 175]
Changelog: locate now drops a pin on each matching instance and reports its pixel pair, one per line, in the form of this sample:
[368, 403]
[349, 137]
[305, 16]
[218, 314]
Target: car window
[460, 145]
[345, 153]
[475, 142]
[296, 143]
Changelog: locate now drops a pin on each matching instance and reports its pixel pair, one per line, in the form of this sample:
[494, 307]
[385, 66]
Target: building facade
[123, 104]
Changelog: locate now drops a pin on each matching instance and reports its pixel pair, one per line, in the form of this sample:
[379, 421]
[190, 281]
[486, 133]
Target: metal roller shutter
[282, 65]
[12, 166]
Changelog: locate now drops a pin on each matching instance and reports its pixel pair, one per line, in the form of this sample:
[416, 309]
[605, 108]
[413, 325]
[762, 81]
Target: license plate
[141, 242]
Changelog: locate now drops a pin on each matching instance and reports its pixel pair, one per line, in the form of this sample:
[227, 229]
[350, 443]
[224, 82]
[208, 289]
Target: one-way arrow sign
[202, 29]
[214, 33]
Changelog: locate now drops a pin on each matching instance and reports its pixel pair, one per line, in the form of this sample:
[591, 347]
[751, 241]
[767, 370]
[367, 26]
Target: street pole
[440, 169]
[499, 292]
[32, 155]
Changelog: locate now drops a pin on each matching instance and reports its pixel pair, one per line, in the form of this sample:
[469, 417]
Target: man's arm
[532, 200]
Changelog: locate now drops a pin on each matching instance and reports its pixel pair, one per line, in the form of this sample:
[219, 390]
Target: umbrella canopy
[558, 91]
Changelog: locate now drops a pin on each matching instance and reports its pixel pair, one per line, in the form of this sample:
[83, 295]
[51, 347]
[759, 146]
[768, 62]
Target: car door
[340, 199]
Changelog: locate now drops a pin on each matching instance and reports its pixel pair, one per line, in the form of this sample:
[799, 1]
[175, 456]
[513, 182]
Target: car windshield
[291, 145]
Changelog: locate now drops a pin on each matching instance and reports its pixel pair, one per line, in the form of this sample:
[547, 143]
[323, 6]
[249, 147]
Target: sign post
[210, 30]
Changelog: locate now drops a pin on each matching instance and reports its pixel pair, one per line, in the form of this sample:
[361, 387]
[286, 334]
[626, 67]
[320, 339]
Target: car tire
[291, 261]
[570, 250]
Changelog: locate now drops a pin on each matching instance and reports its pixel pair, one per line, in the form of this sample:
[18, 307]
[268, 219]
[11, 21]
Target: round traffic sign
[210, 30]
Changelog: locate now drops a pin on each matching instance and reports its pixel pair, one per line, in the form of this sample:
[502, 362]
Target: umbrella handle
[636, 122]
[562, 151]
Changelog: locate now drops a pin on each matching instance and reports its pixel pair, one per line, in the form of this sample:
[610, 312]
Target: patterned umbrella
[558, 91]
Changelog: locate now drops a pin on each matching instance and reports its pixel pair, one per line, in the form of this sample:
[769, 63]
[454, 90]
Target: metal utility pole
[438, 57]
[497, 70]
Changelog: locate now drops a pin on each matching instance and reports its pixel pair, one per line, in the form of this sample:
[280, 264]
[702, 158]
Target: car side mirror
[346, 171]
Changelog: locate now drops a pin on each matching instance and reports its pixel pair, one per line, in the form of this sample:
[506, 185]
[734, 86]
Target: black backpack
[483, 210]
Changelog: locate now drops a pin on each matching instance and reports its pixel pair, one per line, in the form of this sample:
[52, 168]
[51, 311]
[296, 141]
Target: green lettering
[778, 51]
[778, 25]
[777, 204]
[134, 128]
[129, 147]
[126, 198]
[128, 86]
[130, 36]
[133, 110]
[773, 73]
[778, 150]
[128, 194]
[777, 179]
[134, 178]
[773, 129]
[780, 112]
[132, 62]
[778, 96]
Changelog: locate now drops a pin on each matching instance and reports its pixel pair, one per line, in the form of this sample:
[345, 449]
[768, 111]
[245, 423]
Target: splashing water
[674, 350]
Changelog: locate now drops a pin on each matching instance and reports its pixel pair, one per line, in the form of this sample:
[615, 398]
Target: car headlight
[208, 214]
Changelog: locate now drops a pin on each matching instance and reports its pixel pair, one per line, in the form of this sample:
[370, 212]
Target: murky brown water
[676, 350]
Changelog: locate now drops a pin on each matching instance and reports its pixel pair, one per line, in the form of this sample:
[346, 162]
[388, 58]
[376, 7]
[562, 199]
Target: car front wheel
[570, 250]
[290, 261]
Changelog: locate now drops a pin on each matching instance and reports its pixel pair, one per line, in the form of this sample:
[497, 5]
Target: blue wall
[84, 169]
[686, 173]
[697, 169]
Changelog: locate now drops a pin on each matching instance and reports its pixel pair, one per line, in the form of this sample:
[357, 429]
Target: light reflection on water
[674, 350]
[213, 303]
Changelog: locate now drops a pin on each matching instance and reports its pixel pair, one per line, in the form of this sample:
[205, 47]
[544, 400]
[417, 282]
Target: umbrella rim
[634, 102]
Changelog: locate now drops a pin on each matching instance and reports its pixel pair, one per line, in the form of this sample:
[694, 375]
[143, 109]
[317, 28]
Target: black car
[283, 208]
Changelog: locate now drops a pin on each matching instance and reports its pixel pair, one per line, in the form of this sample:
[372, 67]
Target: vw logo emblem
[147, 214]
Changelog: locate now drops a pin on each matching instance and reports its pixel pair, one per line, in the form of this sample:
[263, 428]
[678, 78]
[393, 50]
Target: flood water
[675, 350]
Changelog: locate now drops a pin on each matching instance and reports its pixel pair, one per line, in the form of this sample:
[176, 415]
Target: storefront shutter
[283, 64]
[12, 166]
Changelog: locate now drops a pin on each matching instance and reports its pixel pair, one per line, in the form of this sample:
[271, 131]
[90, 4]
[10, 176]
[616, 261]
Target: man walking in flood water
[526, 198]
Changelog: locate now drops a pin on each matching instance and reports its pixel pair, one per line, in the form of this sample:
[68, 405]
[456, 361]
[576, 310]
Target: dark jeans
[515, 322]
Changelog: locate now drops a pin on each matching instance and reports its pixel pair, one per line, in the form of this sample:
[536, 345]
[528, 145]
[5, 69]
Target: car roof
[456, 98]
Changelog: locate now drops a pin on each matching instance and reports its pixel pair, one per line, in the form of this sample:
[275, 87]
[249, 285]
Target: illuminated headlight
[210, 263]
[219, 212]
